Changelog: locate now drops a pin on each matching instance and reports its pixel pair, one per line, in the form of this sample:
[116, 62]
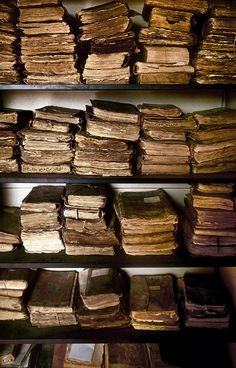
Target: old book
[121, 42]
[215, 201]
[163, 78]
[85, 225]
[102, 12]
[115, 111]
[165, 37]
[155, 148]
[42, 14]
[108, 27]
[7, 138]
[173, 20]
[47, 157]
[151, 125]
[204, 301]
[15, 293]
[45, 169]
[147, 207]
[215, 188]
[10, 226]
[28, 3]
[43, 198]
[61, 286]
[112, 129]
[160, 111]
[59, 114]
[117, 316]
[144, 67]
[85, 195]
[215, 117]
[166, 55]
[16, 279]
[33, 28]
[213, 136]
[152, 302]
[196, 6]
[37, 135]
[100, 288]
[84, 355]
[42, 241]
[126, 355]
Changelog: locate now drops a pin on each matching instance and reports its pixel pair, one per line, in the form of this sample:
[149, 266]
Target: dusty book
[160, 111]
[16, 279]
[59, 114]
[100, 288]
[170, 19]
[221, 201]
[85, 196]
[196, 6]
[153, 302]
[115, 111]
[54, 292]
[126, 355]
[102, 12]
[43, 198]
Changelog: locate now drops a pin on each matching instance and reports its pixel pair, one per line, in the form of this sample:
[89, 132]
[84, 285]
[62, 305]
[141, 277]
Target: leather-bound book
[54, 298]
[43, 198]
[153, 303]
[126, 356]
[160, 110]
[100, 288]
[59, 114]
[115, 111]
[217, 201]
[28, 3]
[216, 117]
[204, 301]
[102, 12]
[196, 6]
[85, 195]
[16, 279]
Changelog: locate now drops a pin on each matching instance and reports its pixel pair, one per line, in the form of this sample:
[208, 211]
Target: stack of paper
[103, 301]
[213, 144]
[210, 223]
[54, 299]
[85, 230]
[15, 285]
[162, 147]
[153, 303]
[46, 146]
[110, 46]
[215, 61]
[165, 54]
[148, 222]
[41, 226]
[9, 72]
[47, 43]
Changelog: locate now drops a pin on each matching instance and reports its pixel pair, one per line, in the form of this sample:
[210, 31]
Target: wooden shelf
[73, 178]
[20, 259]
[108, 87]
[23, 332]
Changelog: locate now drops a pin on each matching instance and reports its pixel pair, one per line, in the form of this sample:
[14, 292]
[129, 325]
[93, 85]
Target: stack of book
[17, 355]
[213, 144]
[9, 229]
[162, 147]
[109, 119]
[84, 355]
[41, 227]
[47, 43]
[153, 303]
[215, 59]
[103, 299]
[101, 156]
[105, 28]
[85, 231]
[15, 285]
[54, 299]
[148, 222]
[11, 121]
[8, 44]
[204, 301]
[210, 223]
[166, 41]
[46, 145]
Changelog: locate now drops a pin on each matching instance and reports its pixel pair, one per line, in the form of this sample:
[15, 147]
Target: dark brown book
[121, 42]
[126, 355]
[10, 225]
[216, 117]
[152, 302]
[43, 198]
[115, 111]
[59, 114]
[54, 292]
[196, 6]
[160, 111]
[102, 12]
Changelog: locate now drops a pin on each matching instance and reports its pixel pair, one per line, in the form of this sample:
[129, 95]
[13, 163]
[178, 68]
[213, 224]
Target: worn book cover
[115, 111]
[59, 114]
[43, 198]
[85, 195]
[100, 288]
[153, 302]
[16, 279]
[54, 291]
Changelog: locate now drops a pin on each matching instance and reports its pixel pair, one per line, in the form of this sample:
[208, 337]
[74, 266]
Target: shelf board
[108, 87]
[73, 178]
[21, 259]
[22, 332]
